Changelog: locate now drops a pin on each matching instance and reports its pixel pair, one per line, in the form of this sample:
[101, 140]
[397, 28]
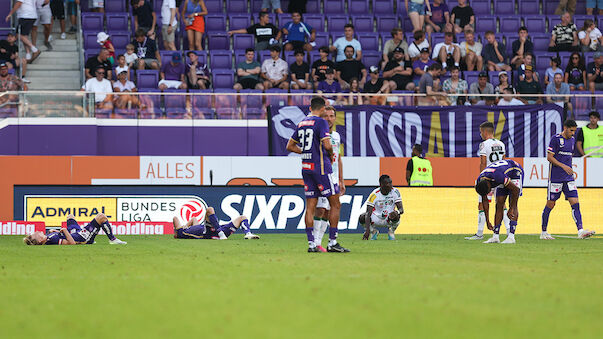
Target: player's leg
[309, 219]
[393, 221]
[500, 203]
[101, 222]
[552, 195]
[211, 217]
[571, 193]
[321, 222]
[334, 246]
[481, 221]
[243, 222]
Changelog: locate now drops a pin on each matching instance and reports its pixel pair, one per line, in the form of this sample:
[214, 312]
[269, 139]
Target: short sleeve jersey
[562, 149]
[384, 204]
[309, 134]
[54, 238]
[263, 33]
[492, 149]
[501, 172]
[298, 32]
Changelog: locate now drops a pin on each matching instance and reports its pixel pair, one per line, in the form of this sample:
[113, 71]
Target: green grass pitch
[418, 286]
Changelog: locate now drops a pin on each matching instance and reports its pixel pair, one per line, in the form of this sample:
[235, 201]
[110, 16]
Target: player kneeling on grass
[211, 228]
[381, 210]
[507, 177]
[74, 234]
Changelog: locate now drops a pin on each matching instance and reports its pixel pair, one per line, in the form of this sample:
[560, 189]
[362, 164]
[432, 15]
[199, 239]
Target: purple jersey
[501, 172]
[562, 149]
[54, 238]
[309, 134]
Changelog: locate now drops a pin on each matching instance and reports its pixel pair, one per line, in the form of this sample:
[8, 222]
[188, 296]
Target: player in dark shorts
[74, 234]
[507, 177]
[211, 228]
[312, 140]
[561, 179]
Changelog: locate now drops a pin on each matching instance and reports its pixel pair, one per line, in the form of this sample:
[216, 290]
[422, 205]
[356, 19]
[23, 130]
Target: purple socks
[245, 224]
[577, 215]
[333, 233]
[213, 220]
[512, 226]
[496, 229]
[108, 231]
[310, 234]
[545, 218]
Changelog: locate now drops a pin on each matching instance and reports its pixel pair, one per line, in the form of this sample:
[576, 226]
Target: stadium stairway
[57, 69]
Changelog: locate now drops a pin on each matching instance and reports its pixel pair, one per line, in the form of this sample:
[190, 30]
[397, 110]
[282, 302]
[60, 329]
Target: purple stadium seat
[336, 22]
[115, 6]
[369, 41]
[202, 56]
[7, 112]
[529, 7]
[236, 6]
[322, 39]
[582, 105]
[548, 7]
[124, 113]
[215, 23]
[90, 53]
[215, 6]
[90, 40]
[220, 59]
[283, 18]
[279, 99]
[334, 6]
[535, 23]
[166, 56]
[101, 113]
[120, 39]
[218, 41]
[553, 21]
[313, 6]
[243, 41]
[223, 78]
[289, 56]
[363, 23]
[543, 61]
[262, 55]
[509, 24]
[383, 7]
[147, 79]
[175, 104]
[480, 8]
[152, 104]
[502, 7]
[313, 56]
[202, 104]
[93, 22]
[358, 6]
[226, 105]
[238, 21]
[598, 101]
[540, 41]
[406, 100]
[256, 6]
[385, 24]
[317, 21]
[117, 21]
[239, 56]
[485, 23]
[251, 105]
[406, 23]
[470, 76]
[371, 58]
[301, 100]
[579, 20]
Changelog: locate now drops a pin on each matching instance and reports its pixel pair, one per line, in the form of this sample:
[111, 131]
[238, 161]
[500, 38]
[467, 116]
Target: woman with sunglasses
[575, 73]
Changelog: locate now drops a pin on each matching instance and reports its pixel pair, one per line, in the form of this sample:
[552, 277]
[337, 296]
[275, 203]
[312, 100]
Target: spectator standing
[564, 35]
[57, 8]
[347, 40]
[101, 88]
[399, 72]
[462, 16]
[193, 14]
[300, 72]
[421, 65]
[559, 91]
[376, 85]
[131, 56]
[590, 137]
[103, 40]
[296, 32]
[447, 53]
[482, 86]
[97, 6]
[72, 12]
[471, 52]
[27, 16]
[495, 54]
[9, 53]
[456, 86]
[429, 86]
[575, 73]
[554, 69]
[275, 70]
[521, 47]
[529, 86]
[98, 61]
[415, 48]
[146, 50]
[396, 41]
[169, 23]
[44, 18]
[567, 6]
[591, 4]
[265, 33]
[439, 20]
[197, 72]
[172, 74]
[248, 72]
[123, 85]
[416, 12]
[320, 66]
[590, 37]
[144, 17]
[350, 68]
[275, 4]
[595, 73]
[508, 99]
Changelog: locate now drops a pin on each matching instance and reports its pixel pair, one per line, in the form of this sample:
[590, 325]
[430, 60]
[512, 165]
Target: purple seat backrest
[166, 56]
[262, 55]
[363, 23]
[479, 8]
[174, 101]
[386, 23]
[358, 6]
[215, 6]
[284, 18]
[317, 21]
[543, 61]
[236, 6]
[540, 41]
[223, 80]
[277, 100]
[120, 39]
[369, 41]
[502, 7]
[314, 55]
[322, 39]
[239, 21]
[529, 7]
[582, 104]
[256, 6]
[485, 23]
[289, 56]
[215, 23]
[336, 22]
[251, 101]
[313, 6]
[115, 6]
[371, 58]
[147, 78]
[90, 40]
[470, 76]
[239, 56]
[549, 7]
[535, 24]
[217, 41]
[406, 23]
[510, 24]
[300, 100]
[117, 21]
[220, 59]
[243, 41]
[92, 22]
[334, 6]
[383, 7]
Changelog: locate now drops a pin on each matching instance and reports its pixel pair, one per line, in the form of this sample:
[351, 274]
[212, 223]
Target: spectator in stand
[471, 52]
[146, 50]
[144, 17]
[399, 72]
[296, 32]
[482, 86]
[9, 53]
[551, 71]
[503, 82]
[329, 85]
[590, 37]
[567, 5]
[396, 41]
[575, 73]
[57, 8]
[300, 72]
[27, 15]
[595, 73]
[131, 56]
[462, 16]
[590, 137]
[123, 85]
[350, 68]
[354, 97]
[275, 70]
[320, 66]
[508, 99]
[447, 53]
[172, 74]
[421, 65]
[169, 24]
[98, 61]
[72, 12]
[248, 72]
[193, 14]
[591, 4]
[559, 92]
[564, 35]
[102, 39]
[265, 33]
[44, 19]
[416, 12]
[197, 74]
[529, 86]
[347, 40]
[414, 49]
[9, 82]
[97, 6]
[457, 86]
[439, 20]
[429, 85]
[528, 60]
[521, 47]
[376, 85]
[122, 66]
[495, 54]
[275, 4]
[101, 87]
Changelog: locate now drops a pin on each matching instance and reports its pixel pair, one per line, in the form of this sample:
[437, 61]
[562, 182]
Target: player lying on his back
[74, 234]
[381, 210]
[561, 179]
[210, 228]
[507, 177]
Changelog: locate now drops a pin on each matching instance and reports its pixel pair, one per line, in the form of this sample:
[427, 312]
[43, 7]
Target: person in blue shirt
[296, 32]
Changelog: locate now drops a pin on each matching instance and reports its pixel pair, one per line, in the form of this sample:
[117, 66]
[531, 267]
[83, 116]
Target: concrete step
[50, 61]
[41, 83]
[39, 67]
[52, 73]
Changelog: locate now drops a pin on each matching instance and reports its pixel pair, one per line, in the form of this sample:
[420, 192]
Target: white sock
[318, 232]
[506, 220]
[495, 236]
[444, 65]
[511, 235]
[34, 49]
[332, 242]
[481, 222]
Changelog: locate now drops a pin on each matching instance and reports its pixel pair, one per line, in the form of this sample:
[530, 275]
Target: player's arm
[400, 207]
[513, 212]
[580, 142]
[367, 221]
[486, 207]
[482, 162]
[326, 143]
[341, 182]
[551, 158]
[409, 169]
[68, 238]
[292, 146]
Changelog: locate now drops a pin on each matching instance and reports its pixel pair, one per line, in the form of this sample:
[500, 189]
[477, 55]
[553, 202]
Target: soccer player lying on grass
[74, 234]
[381, 208]
[507, 177]
[193, 229]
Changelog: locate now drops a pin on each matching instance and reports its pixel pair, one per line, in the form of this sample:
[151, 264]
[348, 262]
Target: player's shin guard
[245, 226]
[497, 229]
[332, 235]
[108, 231]
[481, 222]
[93, 228]
[577, 215]
[310, 234]
[545, 218]
[507, 221]
[213, 220]
[512, 226]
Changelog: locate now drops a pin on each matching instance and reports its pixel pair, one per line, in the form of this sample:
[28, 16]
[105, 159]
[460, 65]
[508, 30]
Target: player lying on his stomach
[74, 234]
[210, 228]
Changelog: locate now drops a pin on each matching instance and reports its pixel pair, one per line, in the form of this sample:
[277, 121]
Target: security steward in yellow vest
[418, 169]
[589, 140]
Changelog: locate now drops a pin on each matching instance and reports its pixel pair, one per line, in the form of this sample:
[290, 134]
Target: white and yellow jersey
[383, 204]
[336, 142]
[493, 149]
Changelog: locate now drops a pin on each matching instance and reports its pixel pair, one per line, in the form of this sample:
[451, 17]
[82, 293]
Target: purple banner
[443, 131]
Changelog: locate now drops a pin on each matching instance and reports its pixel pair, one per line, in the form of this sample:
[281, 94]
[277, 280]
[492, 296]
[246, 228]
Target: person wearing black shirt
[575, 73]
[265, 33]
[98, 61]
[521, 47]
[594, 71]
[399, 72]
[9, 51]
[144, 17]
[376, 85]
[350, 68]
[300, 72]
[146, 49]
[461, 16]
[320, 66]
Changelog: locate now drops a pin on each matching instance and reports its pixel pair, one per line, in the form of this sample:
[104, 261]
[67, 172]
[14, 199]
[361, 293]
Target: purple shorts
[503, 191]
[202, 232]
[568, 188]
[317, 185]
